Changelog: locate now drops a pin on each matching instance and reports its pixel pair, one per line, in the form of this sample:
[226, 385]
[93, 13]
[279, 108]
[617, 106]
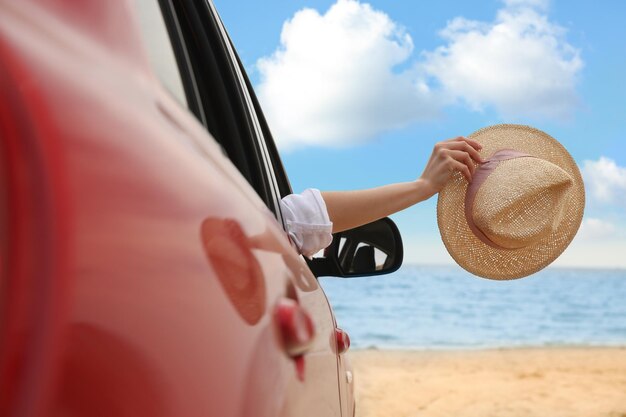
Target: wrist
[424, 188]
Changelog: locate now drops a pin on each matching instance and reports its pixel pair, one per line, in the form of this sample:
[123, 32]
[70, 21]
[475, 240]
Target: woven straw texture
[533, 226]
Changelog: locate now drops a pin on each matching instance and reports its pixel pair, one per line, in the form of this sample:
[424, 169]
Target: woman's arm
[349, 209]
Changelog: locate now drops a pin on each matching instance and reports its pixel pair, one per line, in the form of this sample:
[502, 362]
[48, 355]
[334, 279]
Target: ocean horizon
[444, 307]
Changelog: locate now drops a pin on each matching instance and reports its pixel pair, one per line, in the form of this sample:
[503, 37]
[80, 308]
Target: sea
[445, 307]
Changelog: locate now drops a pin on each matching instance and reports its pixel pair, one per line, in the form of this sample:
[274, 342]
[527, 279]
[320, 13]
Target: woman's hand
[458, 154]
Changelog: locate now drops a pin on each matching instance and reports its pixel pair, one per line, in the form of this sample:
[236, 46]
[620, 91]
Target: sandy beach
[542, 382]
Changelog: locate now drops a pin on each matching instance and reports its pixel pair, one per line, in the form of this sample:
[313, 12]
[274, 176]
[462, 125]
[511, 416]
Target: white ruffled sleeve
[307, 221]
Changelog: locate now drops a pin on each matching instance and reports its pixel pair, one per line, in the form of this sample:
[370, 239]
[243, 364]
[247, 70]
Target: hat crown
[521, 201]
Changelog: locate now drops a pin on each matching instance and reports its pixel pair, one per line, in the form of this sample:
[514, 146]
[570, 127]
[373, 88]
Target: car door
[318, 391]
[151, 281]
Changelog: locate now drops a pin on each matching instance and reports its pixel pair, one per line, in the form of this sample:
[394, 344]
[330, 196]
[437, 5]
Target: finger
[462, 157]
[463, 169]
[473, 142]
[465, 147]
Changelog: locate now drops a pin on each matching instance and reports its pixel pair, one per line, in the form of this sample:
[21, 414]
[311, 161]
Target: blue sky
[357, 93]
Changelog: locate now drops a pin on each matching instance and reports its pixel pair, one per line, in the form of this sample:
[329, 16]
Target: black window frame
[282, 179]
[190, 85]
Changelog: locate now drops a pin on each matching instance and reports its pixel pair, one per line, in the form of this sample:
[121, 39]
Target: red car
[144, 267]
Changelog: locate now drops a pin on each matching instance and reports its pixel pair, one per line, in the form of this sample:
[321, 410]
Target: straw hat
[522, 208]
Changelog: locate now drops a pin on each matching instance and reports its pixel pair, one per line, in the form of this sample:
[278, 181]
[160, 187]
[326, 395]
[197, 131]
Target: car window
[194, 59]
[204, 57]
[159, 47]
[271, 160]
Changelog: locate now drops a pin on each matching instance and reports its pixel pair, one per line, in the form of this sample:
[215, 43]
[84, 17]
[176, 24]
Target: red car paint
[140, 271]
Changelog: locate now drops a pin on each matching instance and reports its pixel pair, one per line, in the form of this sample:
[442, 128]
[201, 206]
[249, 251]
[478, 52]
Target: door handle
[295, 326]
[296, 329]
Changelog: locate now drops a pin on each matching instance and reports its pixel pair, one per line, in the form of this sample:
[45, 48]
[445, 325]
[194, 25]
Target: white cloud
[596, 229]
[599, 243]
[520, 64]
[334, 79]
[605, 181]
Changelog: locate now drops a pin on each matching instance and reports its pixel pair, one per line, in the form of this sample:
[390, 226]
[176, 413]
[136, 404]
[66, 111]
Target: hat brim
[502, 264]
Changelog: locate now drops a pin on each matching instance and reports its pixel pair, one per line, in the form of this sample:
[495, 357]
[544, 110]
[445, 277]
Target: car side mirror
[371, 249]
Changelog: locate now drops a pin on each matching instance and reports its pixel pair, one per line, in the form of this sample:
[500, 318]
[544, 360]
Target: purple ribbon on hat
[479, 177]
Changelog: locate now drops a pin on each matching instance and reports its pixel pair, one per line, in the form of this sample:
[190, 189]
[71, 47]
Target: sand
[550, 382]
